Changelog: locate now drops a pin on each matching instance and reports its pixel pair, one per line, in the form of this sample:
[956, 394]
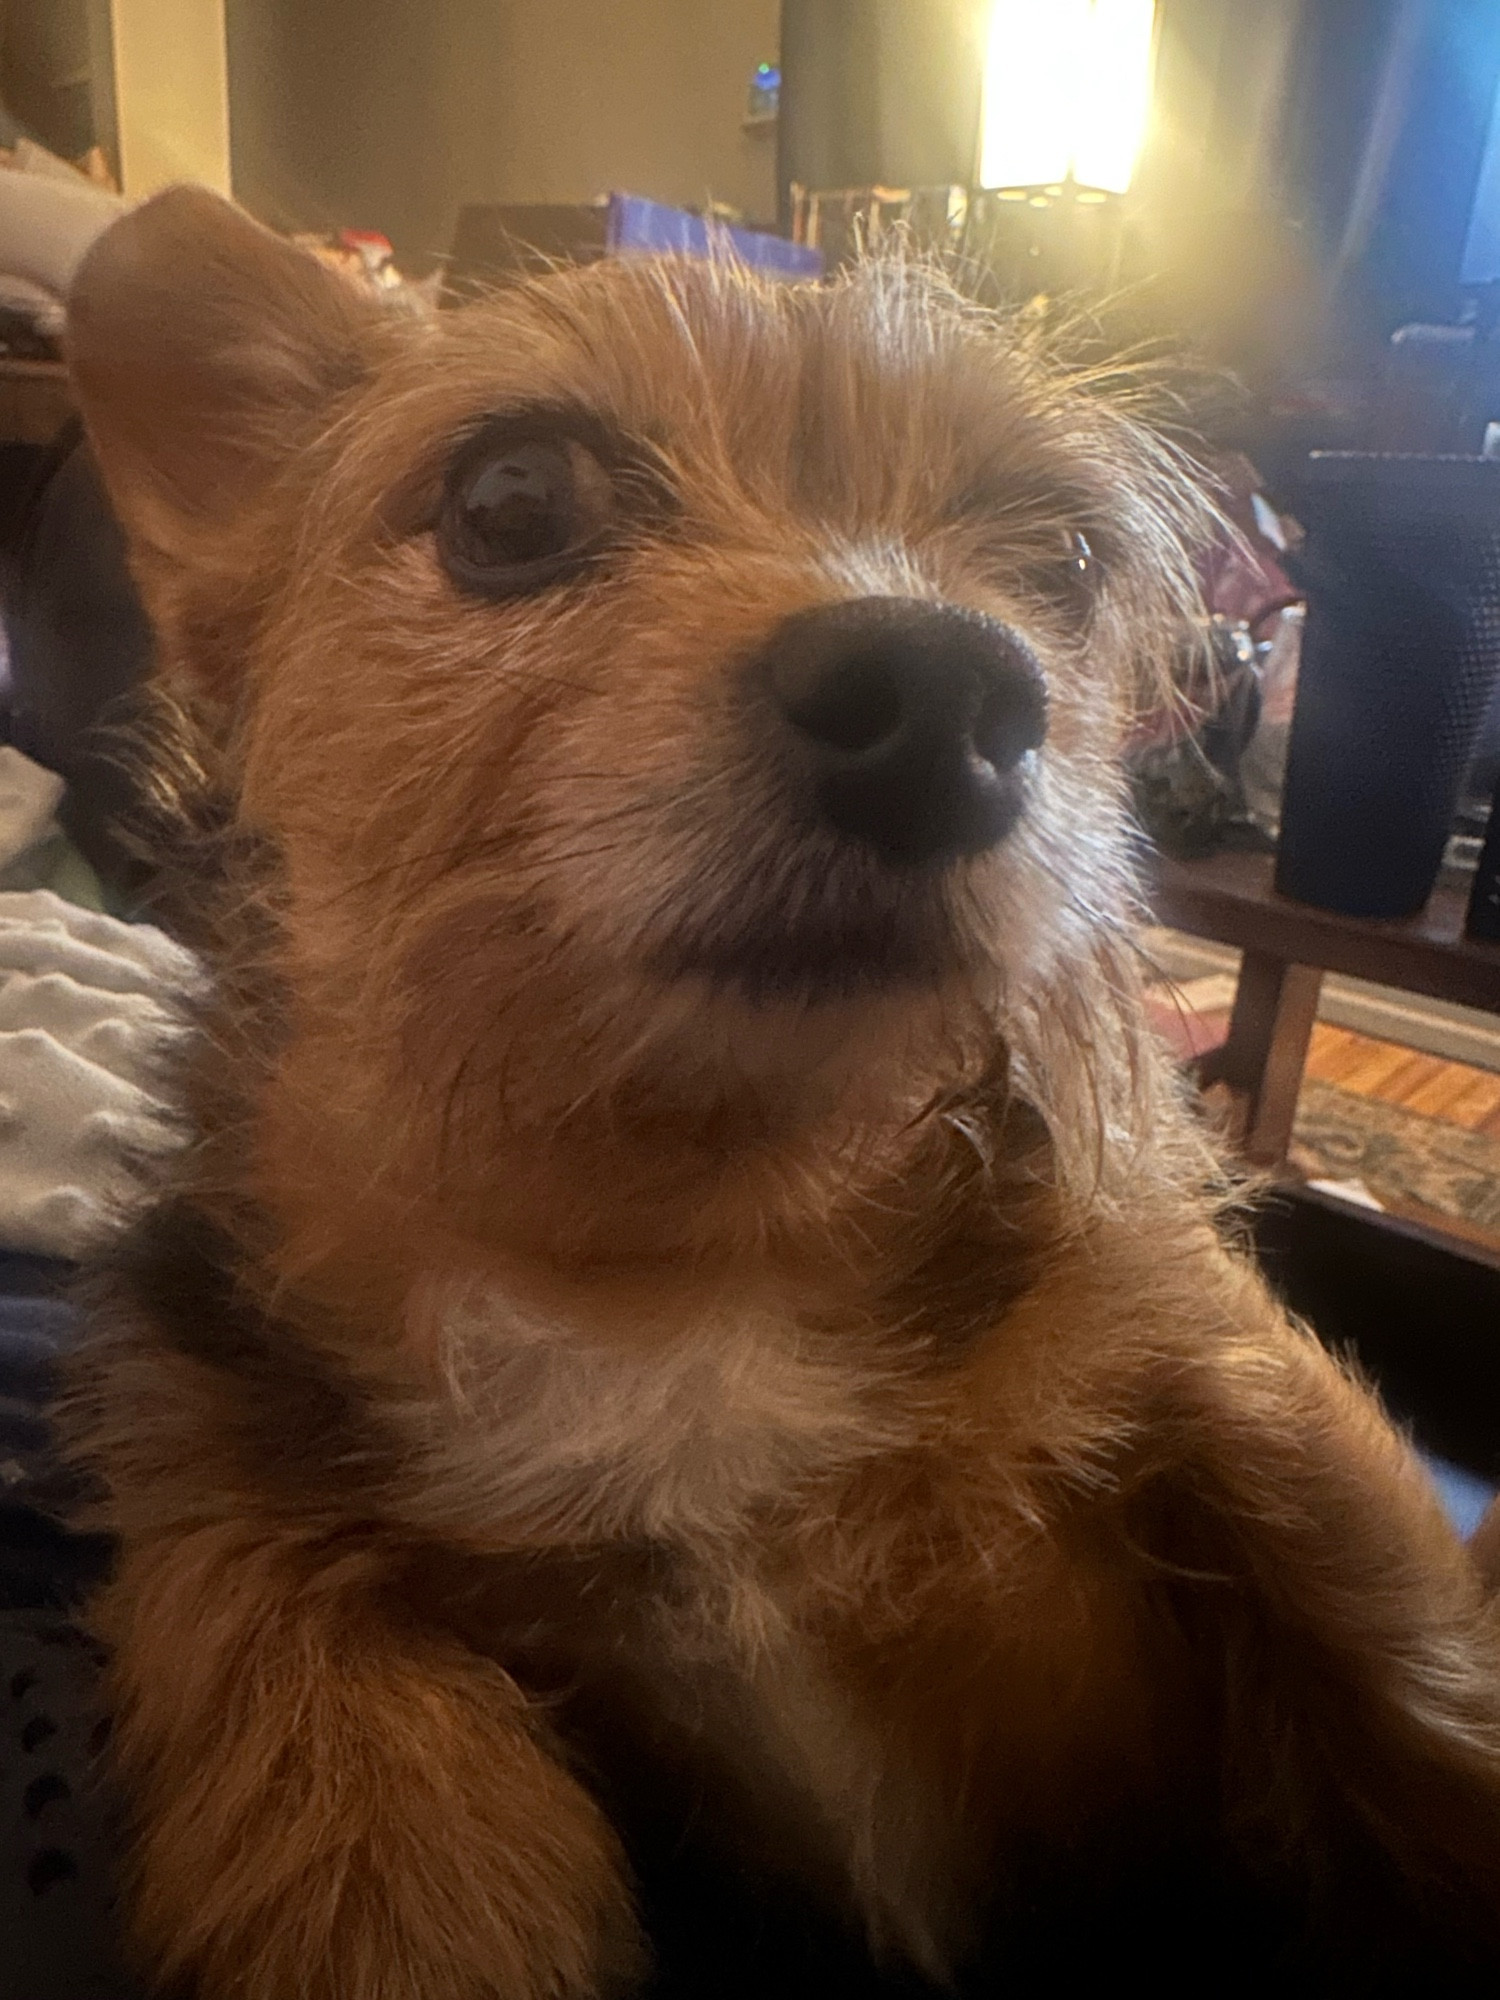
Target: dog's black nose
[911, 720]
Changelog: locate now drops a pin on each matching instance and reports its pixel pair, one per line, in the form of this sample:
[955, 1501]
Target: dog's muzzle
[910, 726]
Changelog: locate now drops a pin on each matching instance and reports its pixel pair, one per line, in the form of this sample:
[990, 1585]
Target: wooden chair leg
[1275, 1006]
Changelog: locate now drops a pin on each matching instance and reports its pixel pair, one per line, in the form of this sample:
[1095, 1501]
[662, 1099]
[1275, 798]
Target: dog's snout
[912, 720]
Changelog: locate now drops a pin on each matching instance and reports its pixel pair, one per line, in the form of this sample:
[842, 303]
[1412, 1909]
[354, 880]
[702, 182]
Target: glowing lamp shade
[1067, 90]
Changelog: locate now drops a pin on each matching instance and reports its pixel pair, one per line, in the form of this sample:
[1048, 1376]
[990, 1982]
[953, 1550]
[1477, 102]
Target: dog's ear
[203, 351]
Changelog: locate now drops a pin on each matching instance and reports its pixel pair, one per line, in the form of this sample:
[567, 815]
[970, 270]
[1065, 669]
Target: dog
[689, 1418]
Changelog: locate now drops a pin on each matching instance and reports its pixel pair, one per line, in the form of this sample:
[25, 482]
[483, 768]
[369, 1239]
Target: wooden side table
[1287, 947]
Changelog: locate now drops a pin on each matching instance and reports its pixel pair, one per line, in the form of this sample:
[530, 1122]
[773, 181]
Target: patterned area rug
[1399, 1153]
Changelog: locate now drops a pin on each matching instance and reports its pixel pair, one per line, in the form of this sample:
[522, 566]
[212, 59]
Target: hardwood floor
[1455, 1092]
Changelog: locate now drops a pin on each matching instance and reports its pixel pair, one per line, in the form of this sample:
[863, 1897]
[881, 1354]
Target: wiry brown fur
[656, 1308]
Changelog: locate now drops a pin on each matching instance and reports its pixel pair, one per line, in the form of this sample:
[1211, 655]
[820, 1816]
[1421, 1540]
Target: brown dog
[687, 1398]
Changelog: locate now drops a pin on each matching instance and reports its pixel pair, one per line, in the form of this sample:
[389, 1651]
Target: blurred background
[1286, 183]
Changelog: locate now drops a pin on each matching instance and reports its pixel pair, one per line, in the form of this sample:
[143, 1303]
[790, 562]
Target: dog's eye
[1079, 563]
[1072, 579]
[520, 512]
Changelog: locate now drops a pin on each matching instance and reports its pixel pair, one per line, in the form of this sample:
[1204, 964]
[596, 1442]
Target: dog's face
[666, 691]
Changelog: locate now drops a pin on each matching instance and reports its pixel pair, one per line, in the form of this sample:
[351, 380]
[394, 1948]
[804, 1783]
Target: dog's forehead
[706, 357]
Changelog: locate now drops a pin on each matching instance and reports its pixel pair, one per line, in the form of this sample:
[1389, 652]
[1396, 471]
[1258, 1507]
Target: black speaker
[1399, 657]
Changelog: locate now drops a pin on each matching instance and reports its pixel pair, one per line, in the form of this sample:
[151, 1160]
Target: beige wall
[393, 113]
[171, 93]
[560, 100]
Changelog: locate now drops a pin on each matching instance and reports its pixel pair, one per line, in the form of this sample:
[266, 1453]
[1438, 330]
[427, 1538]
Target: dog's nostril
[1012, 719]
[855, 709]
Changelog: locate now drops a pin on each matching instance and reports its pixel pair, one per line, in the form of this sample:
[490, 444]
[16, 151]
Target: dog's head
[678, 702]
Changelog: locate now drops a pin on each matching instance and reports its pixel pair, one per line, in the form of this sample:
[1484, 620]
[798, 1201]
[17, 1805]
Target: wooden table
[1287, 947]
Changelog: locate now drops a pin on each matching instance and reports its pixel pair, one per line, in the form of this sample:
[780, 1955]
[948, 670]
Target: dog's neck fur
[751, 1155]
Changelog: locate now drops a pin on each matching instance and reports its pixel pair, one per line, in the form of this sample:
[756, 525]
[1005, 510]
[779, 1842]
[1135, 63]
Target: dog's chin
[843, 935]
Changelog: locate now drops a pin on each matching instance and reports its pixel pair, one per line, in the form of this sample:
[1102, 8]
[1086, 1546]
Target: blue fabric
[633, 223]
[40, 1564]
[1464, 1494]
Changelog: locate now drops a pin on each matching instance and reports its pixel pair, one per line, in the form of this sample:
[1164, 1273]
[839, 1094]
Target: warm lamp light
[1067, 90]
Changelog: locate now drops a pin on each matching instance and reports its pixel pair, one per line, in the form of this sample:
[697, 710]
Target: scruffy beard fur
[685, 1406]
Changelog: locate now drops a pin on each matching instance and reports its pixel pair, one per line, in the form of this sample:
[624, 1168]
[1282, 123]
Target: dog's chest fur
[547, 1429]
[642, 1596]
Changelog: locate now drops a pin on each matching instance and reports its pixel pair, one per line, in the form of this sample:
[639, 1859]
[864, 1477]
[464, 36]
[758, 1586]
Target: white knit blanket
[88, 1008]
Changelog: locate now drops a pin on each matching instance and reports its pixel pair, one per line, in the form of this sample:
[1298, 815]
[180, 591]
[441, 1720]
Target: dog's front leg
[328, 1806]
[1345, 1641]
